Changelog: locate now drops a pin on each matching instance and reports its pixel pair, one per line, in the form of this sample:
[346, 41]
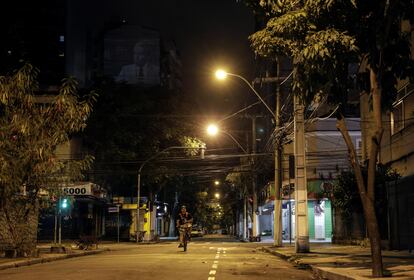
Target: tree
[239, 180]
[346, 200]
[323, 37]
[31, 128]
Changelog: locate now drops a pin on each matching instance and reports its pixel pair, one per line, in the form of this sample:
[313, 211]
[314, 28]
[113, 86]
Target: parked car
[266, 233]
[196, 231]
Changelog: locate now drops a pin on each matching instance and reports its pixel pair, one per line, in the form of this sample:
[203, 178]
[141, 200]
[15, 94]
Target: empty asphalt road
[205, 260]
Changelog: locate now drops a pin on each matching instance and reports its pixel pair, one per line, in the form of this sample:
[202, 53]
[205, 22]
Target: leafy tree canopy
[324, 36]
[32, 126]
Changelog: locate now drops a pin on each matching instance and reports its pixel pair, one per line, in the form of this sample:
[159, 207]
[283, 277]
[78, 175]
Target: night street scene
[207, 139]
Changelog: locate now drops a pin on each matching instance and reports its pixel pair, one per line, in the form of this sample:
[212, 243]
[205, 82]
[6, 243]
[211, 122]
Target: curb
[320, 272]
[325, 274]
[50, 259]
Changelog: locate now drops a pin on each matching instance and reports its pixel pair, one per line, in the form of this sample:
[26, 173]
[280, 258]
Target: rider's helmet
[183, 207]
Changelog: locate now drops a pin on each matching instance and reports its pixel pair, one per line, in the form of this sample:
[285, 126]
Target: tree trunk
[374, 237]
[18, 226]
[367, 201]
[371, 218]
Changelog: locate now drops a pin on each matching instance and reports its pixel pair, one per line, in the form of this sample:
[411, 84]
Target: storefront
[85, 213]
[319, 220]
[319, 212]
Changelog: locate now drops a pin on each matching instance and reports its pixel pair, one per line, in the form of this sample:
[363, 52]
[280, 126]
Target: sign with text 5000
[77, 190]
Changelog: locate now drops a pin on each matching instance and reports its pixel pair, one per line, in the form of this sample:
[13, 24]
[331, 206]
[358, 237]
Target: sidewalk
[45, 255]
[340, 262]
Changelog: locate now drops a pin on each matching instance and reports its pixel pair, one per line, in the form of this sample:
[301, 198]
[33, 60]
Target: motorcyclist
[184, 219]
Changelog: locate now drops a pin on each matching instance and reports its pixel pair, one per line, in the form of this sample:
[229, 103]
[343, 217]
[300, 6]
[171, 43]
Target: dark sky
[208, 34]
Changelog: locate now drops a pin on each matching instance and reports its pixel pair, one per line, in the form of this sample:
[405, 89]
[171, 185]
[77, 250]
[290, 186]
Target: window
[397, 117]
[358, 143]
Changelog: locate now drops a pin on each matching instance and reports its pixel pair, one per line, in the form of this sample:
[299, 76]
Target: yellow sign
[131, 206]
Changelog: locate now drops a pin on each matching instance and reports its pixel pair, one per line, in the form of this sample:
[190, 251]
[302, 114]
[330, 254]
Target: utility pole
[245, 220]
[277, 217]
[246, 234]
[254, 179]
[56, 224]
[301, 193]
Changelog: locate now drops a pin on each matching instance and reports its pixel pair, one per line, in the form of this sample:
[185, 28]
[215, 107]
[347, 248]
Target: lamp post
[202, 149]
[221, 75]
[213, 130]
[302, 231]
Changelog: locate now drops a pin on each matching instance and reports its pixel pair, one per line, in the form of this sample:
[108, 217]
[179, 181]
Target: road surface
[205, 260]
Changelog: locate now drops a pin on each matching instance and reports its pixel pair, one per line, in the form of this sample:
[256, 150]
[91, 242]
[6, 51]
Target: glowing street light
[216, 182]
[212, 129]
[217, 195]
[221, 74]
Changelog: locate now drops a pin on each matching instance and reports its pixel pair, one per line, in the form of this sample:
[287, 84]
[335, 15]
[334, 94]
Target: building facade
[326, 157]
[397, 151]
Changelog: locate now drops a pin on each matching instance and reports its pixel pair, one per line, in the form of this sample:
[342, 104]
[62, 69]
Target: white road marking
[214, 266]
[212, 272]
[210, 248]
[211, 278]
[215, 261]
[217, 257]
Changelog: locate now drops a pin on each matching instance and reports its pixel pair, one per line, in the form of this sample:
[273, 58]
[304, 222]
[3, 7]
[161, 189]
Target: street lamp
[216, 182]
[213, 130]
[222, 75]
[201, 148]
[217, 195]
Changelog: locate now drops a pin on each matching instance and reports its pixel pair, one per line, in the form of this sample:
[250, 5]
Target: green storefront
[319, 211]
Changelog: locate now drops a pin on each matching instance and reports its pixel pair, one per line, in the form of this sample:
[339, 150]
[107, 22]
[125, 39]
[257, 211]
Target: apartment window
[358, 143]
[397, 117]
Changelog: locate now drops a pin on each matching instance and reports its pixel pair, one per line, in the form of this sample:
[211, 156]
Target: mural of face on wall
[142, 53]
[144, 67]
